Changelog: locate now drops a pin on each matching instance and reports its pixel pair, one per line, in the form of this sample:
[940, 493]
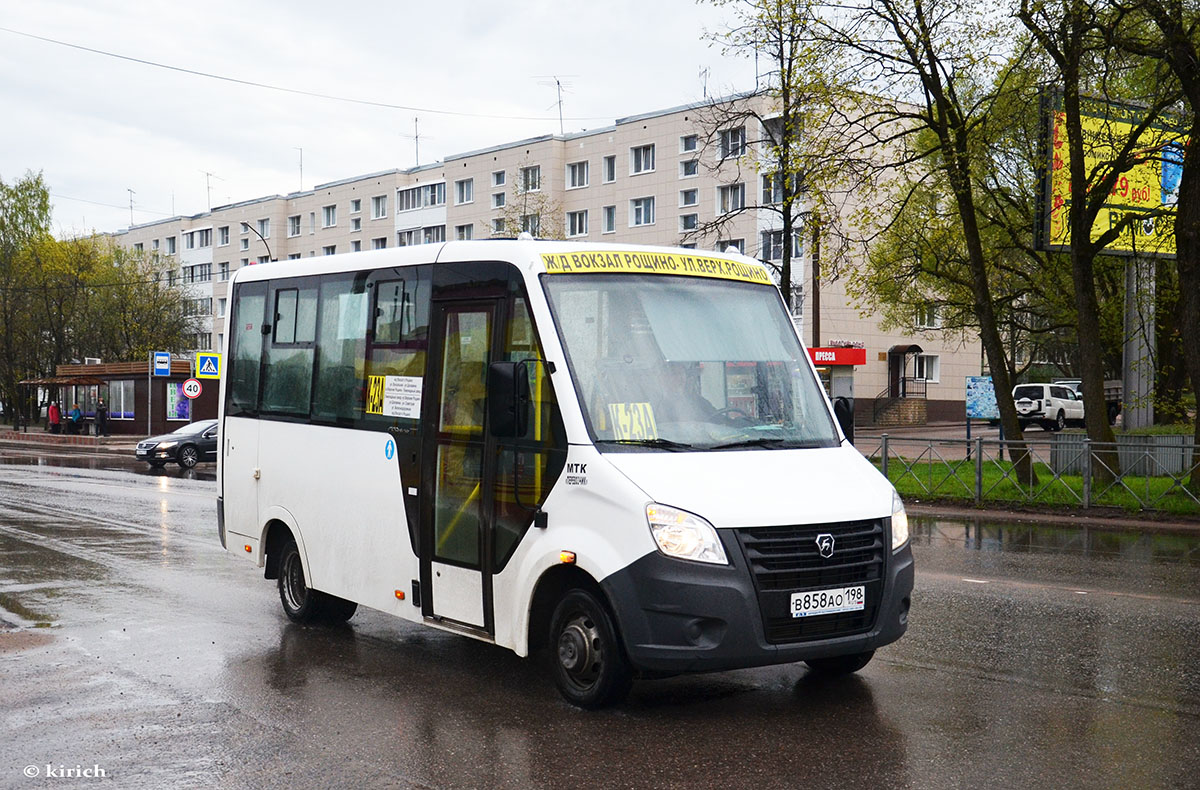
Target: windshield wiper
[762, 441]
[665, 444]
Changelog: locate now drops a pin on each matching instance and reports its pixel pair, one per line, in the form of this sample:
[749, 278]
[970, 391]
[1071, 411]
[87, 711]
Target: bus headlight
[899, 521]
[684, 536]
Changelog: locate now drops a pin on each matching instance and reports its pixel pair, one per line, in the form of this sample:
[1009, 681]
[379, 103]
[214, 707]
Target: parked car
[186, 446]
[1113, 390]
[1052, 406]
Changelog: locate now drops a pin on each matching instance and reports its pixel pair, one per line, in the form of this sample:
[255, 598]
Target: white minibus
[619, 454]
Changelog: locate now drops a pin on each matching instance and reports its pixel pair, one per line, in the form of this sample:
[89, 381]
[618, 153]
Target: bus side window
[246, 343]
[341, 346]
[287, 374]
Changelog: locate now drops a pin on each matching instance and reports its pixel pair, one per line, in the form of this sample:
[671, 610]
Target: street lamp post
[254, 230]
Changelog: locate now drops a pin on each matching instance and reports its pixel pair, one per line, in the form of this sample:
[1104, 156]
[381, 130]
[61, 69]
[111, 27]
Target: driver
[681, 400]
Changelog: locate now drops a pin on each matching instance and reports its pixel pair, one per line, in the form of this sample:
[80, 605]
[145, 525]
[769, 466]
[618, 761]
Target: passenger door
[457, 517]
[239, 431]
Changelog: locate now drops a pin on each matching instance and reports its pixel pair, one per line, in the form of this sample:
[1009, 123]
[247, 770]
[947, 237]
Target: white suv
[1052, 406]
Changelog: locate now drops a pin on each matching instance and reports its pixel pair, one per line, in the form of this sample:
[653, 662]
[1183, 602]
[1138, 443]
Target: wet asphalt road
[1035, 657]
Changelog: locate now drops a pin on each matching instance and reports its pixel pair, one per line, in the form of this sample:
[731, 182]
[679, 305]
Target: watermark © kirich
[49, 771]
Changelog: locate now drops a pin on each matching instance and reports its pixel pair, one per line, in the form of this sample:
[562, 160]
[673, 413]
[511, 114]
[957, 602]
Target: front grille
[784, 560]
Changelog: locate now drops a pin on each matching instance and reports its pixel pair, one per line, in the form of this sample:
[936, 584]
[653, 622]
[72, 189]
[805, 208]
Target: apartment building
[654, 178]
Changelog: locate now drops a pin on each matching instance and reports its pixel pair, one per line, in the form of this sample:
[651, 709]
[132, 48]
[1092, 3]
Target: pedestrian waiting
[54, 418]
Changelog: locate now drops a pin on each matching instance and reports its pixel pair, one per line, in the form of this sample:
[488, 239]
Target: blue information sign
[981, 399]
[162, 363]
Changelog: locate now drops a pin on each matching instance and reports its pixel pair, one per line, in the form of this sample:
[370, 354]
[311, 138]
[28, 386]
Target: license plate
[142, 452]
[841, 599]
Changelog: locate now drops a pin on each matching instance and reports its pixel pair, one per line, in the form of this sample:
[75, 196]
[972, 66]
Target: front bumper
[678, 616]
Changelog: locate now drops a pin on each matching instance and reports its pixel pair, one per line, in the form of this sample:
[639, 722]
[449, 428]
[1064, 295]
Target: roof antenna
[704, 72]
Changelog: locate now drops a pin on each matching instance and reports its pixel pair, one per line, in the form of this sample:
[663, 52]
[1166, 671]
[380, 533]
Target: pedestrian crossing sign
[208, 366]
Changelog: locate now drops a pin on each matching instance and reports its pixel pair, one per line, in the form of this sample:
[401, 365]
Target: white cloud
[98, 126]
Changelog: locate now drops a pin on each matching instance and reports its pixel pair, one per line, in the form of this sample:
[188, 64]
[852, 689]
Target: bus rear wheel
[590, 668]
[300, 603]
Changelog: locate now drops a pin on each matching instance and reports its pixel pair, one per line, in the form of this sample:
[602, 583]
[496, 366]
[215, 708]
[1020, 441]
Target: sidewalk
[39, 438]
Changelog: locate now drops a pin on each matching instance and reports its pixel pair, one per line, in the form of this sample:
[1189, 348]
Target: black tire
[590, 668]
[1060, 422]
[300, 603]
[840, 665]
[188, 456]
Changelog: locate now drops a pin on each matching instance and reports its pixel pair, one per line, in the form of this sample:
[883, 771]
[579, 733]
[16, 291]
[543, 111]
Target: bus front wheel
[590, 668]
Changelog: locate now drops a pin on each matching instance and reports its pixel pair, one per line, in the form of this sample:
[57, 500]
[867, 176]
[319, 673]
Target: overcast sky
[98, 126]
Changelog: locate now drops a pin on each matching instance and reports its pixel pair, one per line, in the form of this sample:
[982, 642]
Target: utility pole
[301, 150]
[131, 193]
[416, 143]
[208, 177]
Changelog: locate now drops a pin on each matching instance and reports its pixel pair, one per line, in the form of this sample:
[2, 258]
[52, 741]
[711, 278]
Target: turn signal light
[248, 549]
[399, 595]
[567, 556]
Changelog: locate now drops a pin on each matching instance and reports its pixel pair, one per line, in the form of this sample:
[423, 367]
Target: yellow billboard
[1149, 190]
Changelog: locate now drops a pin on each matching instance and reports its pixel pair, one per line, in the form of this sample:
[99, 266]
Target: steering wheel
[733, 414]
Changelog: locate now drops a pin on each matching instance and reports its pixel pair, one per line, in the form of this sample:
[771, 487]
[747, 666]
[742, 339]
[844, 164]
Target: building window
[356, 245]
[312, 222]
[464, 191]
[608, 218]
[641, 212]
[731, 197]
[498, 226]
[689, 197]
[577, 175]
[356, 205]
[264, 258]
[137, 247]
[355, 223]
[531, 178]
[264, 228]
[641, 159]
[204, 238]
[189, 241]
[434, 234]
[329, 249]
[689, 168]
[688, 143]
[202, 272]
[293, 226]
[421, 197]
[733, 142]
[928, 318]
[689, 221]
[223, 236]
[245, 244]
[170, 245]
[732, 245]
[221, 304]
[379, 243]
[223, 271]
[154, 245]
[464, 232]
[928, 367]
[498, 178]
[531, 224]
[328, 216]
[498, 200]
[245, 261]
[610, 169]
[379, 207]
[772, 245]
[295, 256]
[577, 223]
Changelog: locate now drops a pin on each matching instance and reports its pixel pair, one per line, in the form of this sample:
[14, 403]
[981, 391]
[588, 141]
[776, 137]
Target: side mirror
[508, 399]
[843, 410]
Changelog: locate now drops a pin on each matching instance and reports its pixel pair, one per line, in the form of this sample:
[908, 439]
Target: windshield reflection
[665, 363]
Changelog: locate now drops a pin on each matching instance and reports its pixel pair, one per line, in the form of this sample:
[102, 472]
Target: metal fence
[1067, 470]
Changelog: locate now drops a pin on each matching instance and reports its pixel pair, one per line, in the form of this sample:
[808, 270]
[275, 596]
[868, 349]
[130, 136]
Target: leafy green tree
[24, 221]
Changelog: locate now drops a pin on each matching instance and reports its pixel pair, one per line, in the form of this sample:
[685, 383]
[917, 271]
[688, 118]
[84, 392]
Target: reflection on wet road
[1036, 657]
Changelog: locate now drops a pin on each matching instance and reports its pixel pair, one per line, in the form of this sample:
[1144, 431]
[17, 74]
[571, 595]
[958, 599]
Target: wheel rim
[294, 590]
[580, 653]
[188, 456]
[1062, 423]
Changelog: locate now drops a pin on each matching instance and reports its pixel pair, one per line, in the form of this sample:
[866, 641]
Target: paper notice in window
[632, 421]
[402, 397]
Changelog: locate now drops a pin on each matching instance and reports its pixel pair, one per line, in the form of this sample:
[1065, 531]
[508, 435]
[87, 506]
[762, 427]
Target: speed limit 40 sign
[191, 388]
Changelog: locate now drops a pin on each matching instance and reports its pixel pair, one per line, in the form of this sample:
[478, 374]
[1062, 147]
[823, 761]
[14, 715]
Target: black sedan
[187, 446]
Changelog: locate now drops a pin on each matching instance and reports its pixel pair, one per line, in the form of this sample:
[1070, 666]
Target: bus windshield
[665, 363]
